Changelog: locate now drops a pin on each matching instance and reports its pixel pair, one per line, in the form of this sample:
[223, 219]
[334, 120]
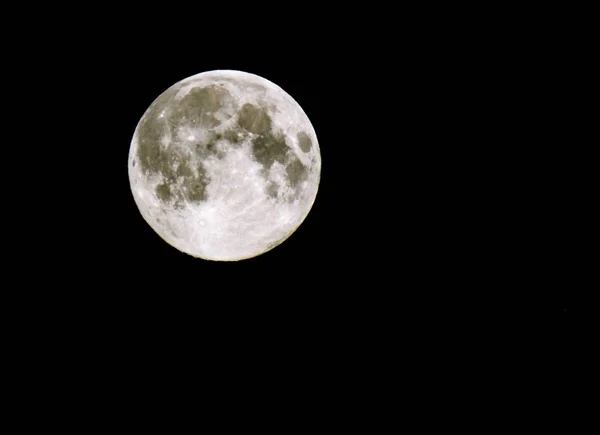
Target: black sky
[425, 137]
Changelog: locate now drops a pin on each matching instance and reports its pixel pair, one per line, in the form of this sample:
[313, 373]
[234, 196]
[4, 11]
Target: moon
[224, 165]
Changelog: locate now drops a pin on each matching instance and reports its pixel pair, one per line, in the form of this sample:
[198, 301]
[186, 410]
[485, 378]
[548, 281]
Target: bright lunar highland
[224, 165]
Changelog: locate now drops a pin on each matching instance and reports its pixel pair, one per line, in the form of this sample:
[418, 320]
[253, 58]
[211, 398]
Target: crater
[272, 189]
[155, 160]
[296, 172]
[269, 148]
[184, 170]
[163, 192]
[209, 148]
[199, 106]
[254, 119]
[304, 141]
[234, 137]
[194, 187]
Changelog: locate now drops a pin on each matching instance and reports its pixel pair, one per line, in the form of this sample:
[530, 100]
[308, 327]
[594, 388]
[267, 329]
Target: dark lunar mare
[269, 146]
[304, 141]
[197, 107]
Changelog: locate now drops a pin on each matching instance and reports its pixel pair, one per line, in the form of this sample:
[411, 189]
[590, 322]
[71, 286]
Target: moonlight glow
[224, 165]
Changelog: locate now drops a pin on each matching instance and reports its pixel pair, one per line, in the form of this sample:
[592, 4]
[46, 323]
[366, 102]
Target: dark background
[432, 208]
[435, 265]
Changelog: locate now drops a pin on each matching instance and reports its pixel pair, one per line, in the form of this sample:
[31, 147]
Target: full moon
[224, 165]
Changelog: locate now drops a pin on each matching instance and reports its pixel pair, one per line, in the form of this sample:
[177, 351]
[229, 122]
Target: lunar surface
[224, 165]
